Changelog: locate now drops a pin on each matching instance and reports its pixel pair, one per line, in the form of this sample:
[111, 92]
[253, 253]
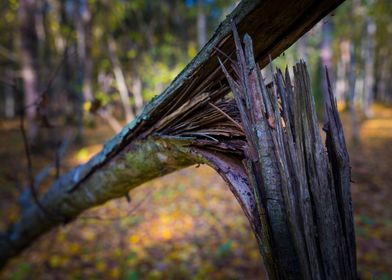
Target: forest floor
[186, 225]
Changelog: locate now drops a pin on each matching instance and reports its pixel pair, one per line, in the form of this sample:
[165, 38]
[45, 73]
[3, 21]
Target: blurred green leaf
[224, 249]
[132, 275]
[21, 272]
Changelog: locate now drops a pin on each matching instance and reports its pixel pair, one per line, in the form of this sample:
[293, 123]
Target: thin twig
[29, 160]
[29, 163]
[224, 54]
[57, 159]
[131, 211]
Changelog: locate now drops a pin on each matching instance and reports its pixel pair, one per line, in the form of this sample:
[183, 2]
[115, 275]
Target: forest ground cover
[186, 225]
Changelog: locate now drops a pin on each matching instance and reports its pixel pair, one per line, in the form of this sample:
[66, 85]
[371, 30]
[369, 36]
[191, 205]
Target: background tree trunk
[201, 24]
[352, 93]
[341, 72]
[9, 97]
[137, 89]
[325, 56]
[120, 80]
[84, 62]
[29, 54]
[369, 55]
[352, 78]
[301, 47]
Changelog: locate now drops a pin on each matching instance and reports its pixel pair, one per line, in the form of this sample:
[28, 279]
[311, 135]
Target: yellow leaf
[166, 233]
[55, 261]
[82, 154]
[100, 266]
[75, 248]
[134, 238]
[86, 106]
[115, 273]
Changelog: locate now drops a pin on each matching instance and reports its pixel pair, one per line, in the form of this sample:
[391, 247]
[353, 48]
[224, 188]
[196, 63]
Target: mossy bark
[141, 161]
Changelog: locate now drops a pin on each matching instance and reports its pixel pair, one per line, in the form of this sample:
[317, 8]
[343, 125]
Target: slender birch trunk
[137, 92]
[201, 24]
[120, 80]
[369, 60]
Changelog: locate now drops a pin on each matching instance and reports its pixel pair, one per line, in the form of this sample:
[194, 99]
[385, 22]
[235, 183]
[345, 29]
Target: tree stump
[302, 212]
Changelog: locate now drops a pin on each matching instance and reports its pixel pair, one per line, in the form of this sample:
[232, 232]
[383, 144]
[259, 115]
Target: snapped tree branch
[179, 128]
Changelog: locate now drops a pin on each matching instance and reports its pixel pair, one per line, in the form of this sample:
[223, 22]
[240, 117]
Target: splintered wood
[191, 122]
[301, 188]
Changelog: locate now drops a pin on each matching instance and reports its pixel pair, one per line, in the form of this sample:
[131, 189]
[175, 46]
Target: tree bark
[29, 64]
[190, 122]
[139, 162]
[304, 221]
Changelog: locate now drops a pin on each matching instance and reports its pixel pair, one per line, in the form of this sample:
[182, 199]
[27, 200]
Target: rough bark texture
[301, 190]
[192, 122]
[139, 162]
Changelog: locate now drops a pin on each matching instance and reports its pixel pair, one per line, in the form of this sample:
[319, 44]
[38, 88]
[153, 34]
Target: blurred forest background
[73, 72]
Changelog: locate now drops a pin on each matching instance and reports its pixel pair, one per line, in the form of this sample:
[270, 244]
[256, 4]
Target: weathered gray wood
[302, 192]
[341, 172]
[173, 118]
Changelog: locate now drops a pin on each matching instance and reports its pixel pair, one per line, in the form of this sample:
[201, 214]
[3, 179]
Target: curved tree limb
[141, 161]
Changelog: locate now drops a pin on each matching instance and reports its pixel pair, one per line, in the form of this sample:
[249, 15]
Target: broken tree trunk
[193, 122]
[304, 221]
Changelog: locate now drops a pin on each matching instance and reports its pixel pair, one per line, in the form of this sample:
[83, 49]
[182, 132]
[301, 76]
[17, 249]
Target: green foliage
[21, 271]
[154, 41]
[224, 249]
[132, 275]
